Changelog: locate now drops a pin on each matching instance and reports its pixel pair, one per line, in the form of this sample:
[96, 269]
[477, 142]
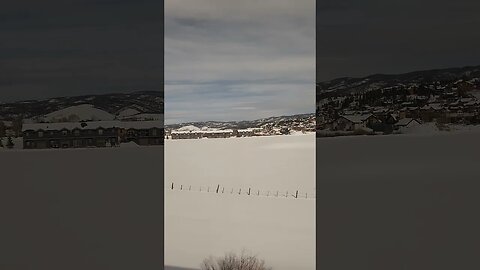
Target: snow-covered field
[280, 230]
[78, 195]
[382, 200]
[81, 208]
[410, 157]
[265, 163]
[399, 201]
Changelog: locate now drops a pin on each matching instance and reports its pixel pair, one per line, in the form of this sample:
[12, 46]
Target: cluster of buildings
[222, 133]
[369, 123]
[282, 125]
[91, 134]
[288, 125]
[388, 109]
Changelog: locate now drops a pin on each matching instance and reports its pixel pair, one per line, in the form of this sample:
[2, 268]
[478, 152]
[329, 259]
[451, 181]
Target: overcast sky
[236, 60]
[54, 48]
[358, 38]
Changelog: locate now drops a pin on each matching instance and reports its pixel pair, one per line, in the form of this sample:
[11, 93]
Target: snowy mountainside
[348, 85]
[124, 104]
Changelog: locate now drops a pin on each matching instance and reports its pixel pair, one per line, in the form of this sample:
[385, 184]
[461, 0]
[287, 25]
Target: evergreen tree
[10, 143]
[3, 129]
[17, 125]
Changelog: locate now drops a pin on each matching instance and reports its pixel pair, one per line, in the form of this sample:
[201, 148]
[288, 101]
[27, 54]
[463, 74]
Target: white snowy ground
[201, 224]
[81, 208]
[431, 129]
[399, 201]
[266, 163]
[87, 187]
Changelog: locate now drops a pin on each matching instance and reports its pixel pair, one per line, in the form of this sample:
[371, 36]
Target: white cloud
[236, 52]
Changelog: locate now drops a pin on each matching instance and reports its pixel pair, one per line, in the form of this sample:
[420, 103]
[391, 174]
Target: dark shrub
[233, 262]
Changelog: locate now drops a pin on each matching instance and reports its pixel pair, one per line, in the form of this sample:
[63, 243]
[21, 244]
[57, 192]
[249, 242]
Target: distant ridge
[351, 85]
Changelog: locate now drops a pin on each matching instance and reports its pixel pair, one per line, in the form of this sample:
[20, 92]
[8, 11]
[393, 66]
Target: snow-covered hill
[84, 112]
[145, 104]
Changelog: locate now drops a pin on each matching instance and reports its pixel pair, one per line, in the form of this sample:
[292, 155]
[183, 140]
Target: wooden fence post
[248, 191]
[218, 186]
[296, 195]
[172, 185]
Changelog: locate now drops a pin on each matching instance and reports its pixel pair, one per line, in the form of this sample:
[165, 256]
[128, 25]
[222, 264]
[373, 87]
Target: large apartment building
[91, 134]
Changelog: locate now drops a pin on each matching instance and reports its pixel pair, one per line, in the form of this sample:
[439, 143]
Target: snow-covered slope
[127, 112]
[84, 112]
[189, 128]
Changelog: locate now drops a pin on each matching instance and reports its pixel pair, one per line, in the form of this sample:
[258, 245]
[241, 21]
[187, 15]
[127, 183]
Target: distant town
[389, 104]
[282, 125]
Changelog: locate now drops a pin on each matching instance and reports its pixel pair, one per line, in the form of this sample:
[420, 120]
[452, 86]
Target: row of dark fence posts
[239, 191]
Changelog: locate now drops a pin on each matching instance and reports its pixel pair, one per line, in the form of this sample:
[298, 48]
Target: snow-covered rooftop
[405, 121]
[93, 125]
[434, 106]
[357, 118]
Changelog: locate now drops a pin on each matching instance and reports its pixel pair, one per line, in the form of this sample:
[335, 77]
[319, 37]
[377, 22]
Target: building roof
[357, 118]
[405, 121]
[433, 106]
[93, 125]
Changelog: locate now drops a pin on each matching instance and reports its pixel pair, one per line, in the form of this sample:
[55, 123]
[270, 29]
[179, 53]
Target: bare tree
[233, 262]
